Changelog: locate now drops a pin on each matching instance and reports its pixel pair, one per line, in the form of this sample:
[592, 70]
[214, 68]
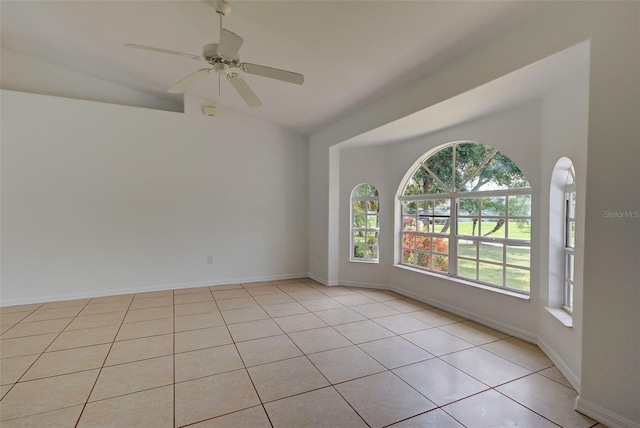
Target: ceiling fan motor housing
[210, 52]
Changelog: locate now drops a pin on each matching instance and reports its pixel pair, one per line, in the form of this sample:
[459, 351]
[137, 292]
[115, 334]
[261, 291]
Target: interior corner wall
[102, 199]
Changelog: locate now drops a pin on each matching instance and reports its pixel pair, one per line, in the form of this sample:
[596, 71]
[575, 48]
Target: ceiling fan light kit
[223, 56]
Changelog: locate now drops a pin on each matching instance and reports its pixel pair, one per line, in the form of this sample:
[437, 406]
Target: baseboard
[603, 415]
[507, 329]
[560, 364]
[143, 289]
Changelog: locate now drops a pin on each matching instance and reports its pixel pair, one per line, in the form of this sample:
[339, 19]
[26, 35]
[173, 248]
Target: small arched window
[569, 239]
[365, 220]
[466, 212]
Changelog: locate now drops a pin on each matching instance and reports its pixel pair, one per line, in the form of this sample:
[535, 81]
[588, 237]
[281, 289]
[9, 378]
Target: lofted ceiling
[351, 52]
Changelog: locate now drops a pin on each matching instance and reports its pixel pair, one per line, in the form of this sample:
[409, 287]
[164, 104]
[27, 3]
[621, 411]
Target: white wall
[105, 199]
[610, 367]
[27, 74]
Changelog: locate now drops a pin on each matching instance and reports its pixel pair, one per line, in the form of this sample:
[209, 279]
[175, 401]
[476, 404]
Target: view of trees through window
[365, 207]
[466, 212]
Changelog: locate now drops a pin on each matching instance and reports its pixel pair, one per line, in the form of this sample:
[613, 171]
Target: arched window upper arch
[466, 212]
[365, 223]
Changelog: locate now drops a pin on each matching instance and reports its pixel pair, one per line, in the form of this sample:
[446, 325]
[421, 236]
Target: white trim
[560, 364]
[144, 289]
[603, 415]
[561, 315]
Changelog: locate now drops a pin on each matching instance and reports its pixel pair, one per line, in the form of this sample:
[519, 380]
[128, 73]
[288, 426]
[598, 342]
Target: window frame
[374, 196]
[568, 285]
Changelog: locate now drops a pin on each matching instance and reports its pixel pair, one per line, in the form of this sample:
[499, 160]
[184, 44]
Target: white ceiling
[351, 52]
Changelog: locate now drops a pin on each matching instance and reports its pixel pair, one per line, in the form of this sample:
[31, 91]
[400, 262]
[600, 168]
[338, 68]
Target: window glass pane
[409, 207]
[572, 234]
[441, 245]
[490, 273]
[440, 263]
[468, 226]
[372, 238]
[519, 256]
[372, 221]
[518, 279]
[408, 241]
[491, 252]
[493, 206]
[359, 220]
[361, 191]
[569, 302]
[469, 159]
[467, 249]
[467, 269]
[358, 238]
[520, 229]
[500, 173]
[371, 253]
[520, 206]
[423, 243]
[358, 252]
[359, 207]
[572, 205]
[423, 260]
[409, 257]
[441, 164]
[468, 206]
[408, 223]
[569, 266]
[372, 207]
[492, 227]
[422, 183]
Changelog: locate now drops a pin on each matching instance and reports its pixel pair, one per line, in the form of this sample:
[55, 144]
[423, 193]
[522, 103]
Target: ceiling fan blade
[230, 44]
[184, 84]
[244, 90]
[273, 73]
[149, 48]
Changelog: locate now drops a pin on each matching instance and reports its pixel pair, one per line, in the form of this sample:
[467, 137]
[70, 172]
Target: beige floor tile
[437, 341]
[554, 374]
[310, 410]
[13, 318]
[234, 316]
[286, 378]
[300, 322]
[36, 328]
[288, 281]
[100, 320]
[402, 323]
[25, 345]
[65, 304]
[547, 398]
[153, 294]
[133, 377]
[51, 314]
[394, 352]
[295, 287]
[229, 294]
[206, 362]
[12, 369]
[473, 332]
[137, 330]
[43, 395]
[67, 361]
[193, 298]
[433, 419]
[181, 291]
[197, 321]
[382, 399]
[407, 305]
[256, 284]
[212, 396]
[334, 291]
[267, 350]
[439, 381]
[4, 389]
[304, 295]
[140, 349]
[202, 338]
[254, 330]
[149, 314]
[354, 299]
[321, 339]
[104, 308]
[122, 298]
[340, 365]
[436, 317]
[322, 304]
[19, 308]
[520, 352]
[254, 417]
[378, 295]
[375, 310]
[151, 302]
[146, 409]
[237, 303]
[273, 299]
[284, 309]
[363, 331]
[491, 409]
[485, 366]
[85, 337]
[262, 291]
[339, 316]
[66, 417]
[225, 287]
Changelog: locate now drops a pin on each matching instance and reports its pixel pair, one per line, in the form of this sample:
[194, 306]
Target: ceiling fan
[223, 56]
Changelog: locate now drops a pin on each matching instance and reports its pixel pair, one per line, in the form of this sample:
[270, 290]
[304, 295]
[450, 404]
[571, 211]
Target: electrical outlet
[209, 260]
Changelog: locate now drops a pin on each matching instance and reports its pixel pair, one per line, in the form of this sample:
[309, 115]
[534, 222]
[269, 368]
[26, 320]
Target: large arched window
[365, 208]
[466, 212]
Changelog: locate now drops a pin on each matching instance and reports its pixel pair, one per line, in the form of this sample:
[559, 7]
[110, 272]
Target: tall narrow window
[365, 208]
[466, 212]
[569, 240]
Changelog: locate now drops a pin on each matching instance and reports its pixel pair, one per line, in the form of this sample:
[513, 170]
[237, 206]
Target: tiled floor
[285, 354]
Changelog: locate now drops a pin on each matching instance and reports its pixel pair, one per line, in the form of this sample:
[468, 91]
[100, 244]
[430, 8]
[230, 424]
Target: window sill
[469, 283]
[365, 261]
[561, 315]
